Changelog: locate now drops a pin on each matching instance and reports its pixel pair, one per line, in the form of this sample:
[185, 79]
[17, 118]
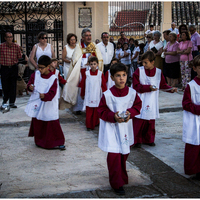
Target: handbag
[154, 50]
[30, 64]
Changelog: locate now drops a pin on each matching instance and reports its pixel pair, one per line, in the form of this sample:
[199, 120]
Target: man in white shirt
[149, 31]
[173, 28]
[107, 50]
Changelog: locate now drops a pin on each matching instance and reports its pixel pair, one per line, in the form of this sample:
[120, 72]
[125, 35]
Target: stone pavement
[81, 171]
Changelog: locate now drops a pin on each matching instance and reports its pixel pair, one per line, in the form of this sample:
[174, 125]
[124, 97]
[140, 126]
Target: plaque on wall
[85, 17]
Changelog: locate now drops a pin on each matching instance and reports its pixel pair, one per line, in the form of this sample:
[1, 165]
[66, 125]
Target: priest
[78, 66]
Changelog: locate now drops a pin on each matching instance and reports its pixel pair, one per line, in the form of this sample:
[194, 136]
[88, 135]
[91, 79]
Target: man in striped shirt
[9, 55]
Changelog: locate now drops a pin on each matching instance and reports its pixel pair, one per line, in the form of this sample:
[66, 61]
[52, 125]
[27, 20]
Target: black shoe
[150, 144]
[78, 113]
[138, 145]
[197, 176]
[120, 191]
[4, 102]
[62, 147]
[13, 106]
[89, 129]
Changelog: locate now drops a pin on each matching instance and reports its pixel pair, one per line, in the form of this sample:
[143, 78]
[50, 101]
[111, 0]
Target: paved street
[81, 171]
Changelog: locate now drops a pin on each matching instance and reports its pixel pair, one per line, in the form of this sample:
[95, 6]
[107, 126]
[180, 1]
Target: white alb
[41, 110]
[150, 104]
[191, 122]
[117, 137]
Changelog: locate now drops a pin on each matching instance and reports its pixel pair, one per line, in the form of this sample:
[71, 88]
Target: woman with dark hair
[185, 51]
[41, 48]
[139, 60]
[68, 52]
[172, 65]
[181, 28]
[135, 54]
[125, 57]
[118, 50]
[131, 44]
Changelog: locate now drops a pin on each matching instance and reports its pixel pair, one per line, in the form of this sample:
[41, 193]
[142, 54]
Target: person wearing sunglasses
[149, 39]
[41, 48]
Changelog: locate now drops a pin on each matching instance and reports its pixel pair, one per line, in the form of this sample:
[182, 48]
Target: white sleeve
[138, 49]
[151, 45]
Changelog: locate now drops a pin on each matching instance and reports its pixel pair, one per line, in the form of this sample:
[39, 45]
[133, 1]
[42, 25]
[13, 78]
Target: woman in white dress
[41, 48]
[68, 52]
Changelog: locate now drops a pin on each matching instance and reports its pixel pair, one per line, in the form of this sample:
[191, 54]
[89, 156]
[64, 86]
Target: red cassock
[61, 79]
[192, 152]
[144, 130]
[116, 162]
[47, 134]
[92, 118]
[106, 76]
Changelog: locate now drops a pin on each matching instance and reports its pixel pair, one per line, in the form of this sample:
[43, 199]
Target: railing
[133, 18]
[26, 19]
[186, 13]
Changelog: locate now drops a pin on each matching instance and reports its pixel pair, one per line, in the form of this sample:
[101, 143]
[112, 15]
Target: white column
[166, 16]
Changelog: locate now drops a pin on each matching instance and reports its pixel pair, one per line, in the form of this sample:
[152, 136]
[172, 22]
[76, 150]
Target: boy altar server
[60, 79]
[191, 123]
[109, 81]
[92, 85]
[43, 107]
[147, 80]
[116, 133]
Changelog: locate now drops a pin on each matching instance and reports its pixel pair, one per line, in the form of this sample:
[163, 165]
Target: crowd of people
[117, 84]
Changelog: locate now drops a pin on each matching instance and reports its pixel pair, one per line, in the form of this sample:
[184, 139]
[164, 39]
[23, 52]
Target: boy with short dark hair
[43, 107]
[147, 81]
[117, 107]
[60, 79]
[92, 85]
[108, 79]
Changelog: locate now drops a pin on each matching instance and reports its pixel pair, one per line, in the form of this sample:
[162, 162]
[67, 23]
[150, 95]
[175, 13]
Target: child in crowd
[118, 50]
[92, 85]
[135, 54]
[147, 81]
[115, 132]
[191, 123]
[60, 80]
[43, 107]
[108, 79]
[139, 61]
[125, 56]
